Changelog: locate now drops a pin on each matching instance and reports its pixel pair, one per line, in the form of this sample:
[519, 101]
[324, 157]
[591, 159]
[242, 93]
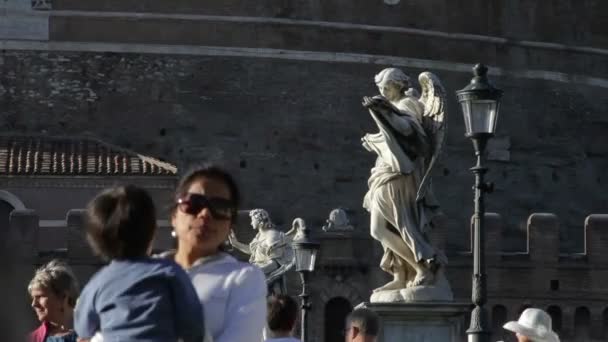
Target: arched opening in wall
[582, 323]
[5, 212]
[556, 318]
[499, 318]
[336, 310]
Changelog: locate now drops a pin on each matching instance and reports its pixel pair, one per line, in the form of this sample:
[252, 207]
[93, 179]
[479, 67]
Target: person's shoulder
[242, 272]
[98, 280]
[164, 266]
[282, 339]
[170, 254]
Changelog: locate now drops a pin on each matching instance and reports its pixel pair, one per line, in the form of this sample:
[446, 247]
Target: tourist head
[260, 219]
[362, 325]
[392, 83]
[204, 208]
[282, 315]
[121, 222]
[534, 325]
[54, 290]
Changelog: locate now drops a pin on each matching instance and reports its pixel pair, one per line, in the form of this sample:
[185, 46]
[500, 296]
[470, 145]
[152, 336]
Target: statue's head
[260, 219]
[392, 83]
[338, 217]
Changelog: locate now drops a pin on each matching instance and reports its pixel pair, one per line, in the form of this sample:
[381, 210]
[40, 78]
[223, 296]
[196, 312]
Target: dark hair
[120, 222]
[212, 172]
[282, 313]
[365, 319]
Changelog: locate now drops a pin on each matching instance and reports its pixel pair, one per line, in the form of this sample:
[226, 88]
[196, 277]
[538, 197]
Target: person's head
[362, 325]
[522, 338]
[121, 222]
[282, 315]
[54, 290]
[392, 83]
[204, 208]
[533, 325]
[260, 219]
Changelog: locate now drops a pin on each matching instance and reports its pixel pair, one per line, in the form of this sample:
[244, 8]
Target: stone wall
[290, 130]
[571, 285]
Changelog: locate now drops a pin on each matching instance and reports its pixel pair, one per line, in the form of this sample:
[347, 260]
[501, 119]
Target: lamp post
[480, 104]
[306, 254]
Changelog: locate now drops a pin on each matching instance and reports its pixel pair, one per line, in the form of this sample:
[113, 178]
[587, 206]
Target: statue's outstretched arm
[237, 244]
[387, 112]
[399, 123]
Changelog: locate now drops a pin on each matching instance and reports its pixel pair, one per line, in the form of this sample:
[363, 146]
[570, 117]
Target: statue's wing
[296, 225]
[435, 123]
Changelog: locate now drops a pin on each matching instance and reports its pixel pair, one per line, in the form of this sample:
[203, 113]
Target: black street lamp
[480, 103]
[306, 254]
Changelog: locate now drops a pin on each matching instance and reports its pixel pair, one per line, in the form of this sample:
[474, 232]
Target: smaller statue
[337, 221]
[270, 249]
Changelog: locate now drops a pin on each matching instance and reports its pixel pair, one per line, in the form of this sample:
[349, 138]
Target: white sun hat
[535, 324]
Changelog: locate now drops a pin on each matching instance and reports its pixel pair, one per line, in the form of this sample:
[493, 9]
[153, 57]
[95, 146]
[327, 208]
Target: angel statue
[400, 199]
[270, 249]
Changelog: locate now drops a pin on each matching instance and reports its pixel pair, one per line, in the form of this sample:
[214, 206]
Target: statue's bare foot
[392, 285]
[423, 277]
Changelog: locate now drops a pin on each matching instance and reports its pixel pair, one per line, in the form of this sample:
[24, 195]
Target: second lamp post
[306, 255]
[480, 103]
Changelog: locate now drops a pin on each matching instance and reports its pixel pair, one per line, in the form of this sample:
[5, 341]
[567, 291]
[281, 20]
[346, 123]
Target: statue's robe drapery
[395, 180]
[268, 248]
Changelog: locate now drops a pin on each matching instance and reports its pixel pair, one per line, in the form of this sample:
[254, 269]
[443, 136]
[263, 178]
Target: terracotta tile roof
[48, 155]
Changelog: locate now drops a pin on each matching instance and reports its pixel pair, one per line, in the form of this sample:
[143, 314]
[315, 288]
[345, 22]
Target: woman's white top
[233, 295]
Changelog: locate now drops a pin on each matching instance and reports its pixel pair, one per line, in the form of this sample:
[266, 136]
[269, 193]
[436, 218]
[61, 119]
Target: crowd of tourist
[197, 292]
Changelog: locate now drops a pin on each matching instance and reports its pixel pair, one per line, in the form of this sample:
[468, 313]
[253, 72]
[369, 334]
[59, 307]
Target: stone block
[16, 5]
[421, 322]
[596, 238]
[23, 23]
[499, 155]
[78, 248]
[543, 238]
[493, 239]
[23, 234]
[493, 226]
[499, 149]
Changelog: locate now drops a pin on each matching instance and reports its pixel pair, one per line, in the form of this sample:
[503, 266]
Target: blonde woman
[54, 290]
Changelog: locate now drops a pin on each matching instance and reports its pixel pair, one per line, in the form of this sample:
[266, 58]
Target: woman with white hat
[534, 325]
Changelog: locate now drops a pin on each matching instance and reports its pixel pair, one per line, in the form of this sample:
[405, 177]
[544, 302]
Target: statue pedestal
[421, 322]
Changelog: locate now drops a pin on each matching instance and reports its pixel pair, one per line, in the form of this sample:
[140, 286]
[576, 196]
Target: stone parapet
[543, 238]
[23, 234]
[78, 248]
[596, 238]
[421, 322]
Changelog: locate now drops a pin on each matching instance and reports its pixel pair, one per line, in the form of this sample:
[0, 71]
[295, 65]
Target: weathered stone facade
[272, 91]
[268, 120]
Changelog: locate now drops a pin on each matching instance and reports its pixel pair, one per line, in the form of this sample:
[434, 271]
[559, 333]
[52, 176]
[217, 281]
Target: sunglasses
[220, 208]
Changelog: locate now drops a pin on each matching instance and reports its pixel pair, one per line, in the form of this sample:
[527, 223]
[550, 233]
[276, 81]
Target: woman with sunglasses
[233, 293]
